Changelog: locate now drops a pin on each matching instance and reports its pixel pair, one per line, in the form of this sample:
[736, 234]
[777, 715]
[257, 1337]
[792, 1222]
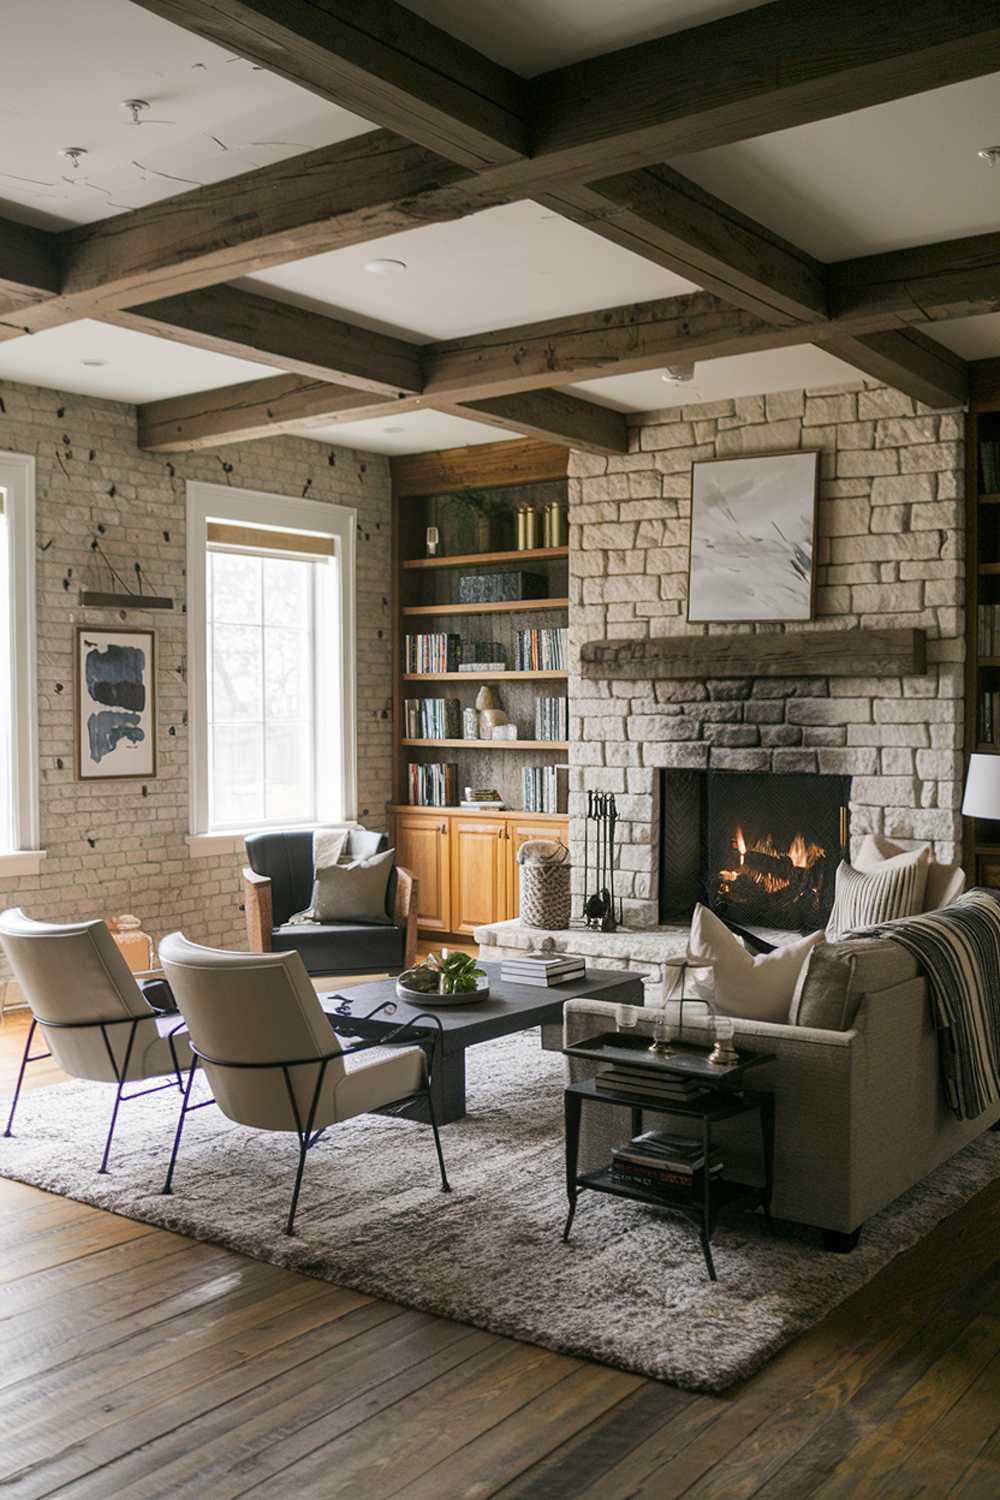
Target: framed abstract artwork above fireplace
[758, 848]
[753, 538]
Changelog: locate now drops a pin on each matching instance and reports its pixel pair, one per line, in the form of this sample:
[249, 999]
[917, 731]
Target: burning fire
[799, 855]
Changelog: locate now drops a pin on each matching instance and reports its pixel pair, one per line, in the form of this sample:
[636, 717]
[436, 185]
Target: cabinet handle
[442, 828]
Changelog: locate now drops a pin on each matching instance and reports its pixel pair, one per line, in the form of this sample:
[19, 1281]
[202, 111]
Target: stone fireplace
[757, 847]
[890, 539]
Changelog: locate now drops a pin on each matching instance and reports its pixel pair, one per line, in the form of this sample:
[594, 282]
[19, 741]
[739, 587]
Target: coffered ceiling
[779, 194]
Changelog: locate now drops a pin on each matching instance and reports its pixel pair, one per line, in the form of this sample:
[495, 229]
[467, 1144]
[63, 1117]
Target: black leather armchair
[278, 882]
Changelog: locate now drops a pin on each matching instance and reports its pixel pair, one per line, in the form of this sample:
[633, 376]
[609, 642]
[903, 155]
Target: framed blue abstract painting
[115, 703]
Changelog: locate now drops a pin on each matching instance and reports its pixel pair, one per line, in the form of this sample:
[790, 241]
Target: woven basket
[546, 900]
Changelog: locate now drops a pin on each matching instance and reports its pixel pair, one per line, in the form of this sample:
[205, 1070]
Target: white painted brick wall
[121, 845]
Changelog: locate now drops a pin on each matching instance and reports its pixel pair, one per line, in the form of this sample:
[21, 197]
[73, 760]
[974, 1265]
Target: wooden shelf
[505, 606]
[558, 745]
[988, 661]
[468, 812]
[987, 848]
[486, 559]
[991, 568]
[473, 677]
[988, 749]
[993, 499]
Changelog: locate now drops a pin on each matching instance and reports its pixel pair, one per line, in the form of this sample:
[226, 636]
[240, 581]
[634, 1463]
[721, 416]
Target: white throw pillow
[758, 989]
[894, 888]
[945, 883]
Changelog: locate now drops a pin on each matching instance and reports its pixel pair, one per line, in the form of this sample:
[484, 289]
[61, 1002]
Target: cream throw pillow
[945, 883]
[865, 898]
[758, 989]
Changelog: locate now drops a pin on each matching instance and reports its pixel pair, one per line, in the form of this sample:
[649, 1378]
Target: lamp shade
[982, 787]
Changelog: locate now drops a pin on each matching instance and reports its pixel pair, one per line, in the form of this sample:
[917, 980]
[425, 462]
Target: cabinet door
[478, 872]
[423, 848]
[519, 831]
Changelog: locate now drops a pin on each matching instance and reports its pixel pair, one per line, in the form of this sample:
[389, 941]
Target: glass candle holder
[626, 1017]
[724, 1051]
[433, 541]
[662, 1035]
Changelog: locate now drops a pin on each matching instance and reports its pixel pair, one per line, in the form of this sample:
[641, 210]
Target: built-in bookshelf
[447, 615]
[982, 669]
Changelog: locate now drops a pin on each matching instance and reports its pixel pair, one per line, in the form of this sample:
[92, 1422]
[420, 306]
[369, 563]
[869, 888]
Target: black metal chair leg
[303, 1148]
[445, 1184]
[20, 1077]
[111, 1128]
[167, 1186]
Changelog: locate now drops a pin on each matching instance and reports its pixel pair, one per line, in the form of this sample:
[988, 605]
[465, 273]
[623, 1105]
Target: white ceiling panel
[972, 338]
[899, 174]
[531, 36]
[65, 67]
[721, 379]
[516, 264]
[410, 432]
[134, 366]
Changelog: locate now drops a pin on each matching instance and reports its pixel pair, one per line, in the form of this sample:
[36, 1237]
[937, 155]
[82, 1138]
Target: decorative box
[497, 588]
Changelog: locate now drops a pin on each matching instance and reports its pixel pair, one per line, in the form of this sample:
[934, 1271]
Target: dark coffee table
[510, 1008]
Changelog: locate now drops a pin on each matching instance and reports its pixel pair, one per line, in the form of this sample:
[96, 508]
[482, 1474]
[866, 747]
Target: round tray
[420, 997]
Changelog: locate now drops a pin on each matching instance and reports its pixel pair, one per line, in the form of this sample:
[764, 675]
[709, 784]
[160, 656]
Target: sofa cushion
[826, 995]
[758, 988]
[354, 892]
[945, 883]
[864, 898]
[879, 963]
[342, 947]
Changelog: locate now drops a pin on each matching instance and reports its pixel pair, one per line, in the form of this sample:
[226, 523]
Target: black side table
[726, 1099]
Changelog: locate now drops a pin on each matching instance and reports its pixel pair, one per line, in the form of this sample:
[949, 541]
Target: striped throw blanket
[958, 950]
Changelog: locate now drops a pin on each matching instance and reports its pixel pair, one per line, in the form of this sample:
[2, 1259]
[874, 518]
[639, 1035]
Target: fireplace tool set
[602, 910]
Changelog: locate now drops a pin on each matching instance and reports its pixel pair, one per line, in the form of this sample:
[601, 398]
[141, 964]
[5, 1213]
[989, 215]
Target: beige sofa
[860, 1114]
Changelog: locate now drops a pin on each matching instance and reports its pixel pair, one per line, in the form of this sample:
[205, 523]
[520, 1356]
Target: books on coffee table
[542, 971]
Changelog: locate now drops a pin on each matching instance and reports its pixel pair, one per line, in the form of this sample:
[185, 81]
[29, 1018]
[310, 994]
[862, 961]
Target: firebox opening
[766, 850]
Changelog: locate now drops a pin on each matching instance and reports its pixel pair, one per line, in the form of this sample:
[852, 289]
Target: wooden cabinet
[479, 872]
[423, 847]
[466, 863]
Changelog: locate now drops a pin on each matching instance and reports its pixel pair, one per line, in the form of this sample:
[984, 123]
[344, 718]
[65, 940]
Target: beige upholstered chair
[271, 1055]
[94, 1017]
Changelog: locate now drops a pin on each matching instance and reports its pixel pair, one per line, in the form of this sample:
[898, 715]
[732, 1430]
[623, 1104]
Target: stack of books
[544, 788]
[432, 651]
[432, 785]
[989, 718]
[433, 718]
[633, 1078]
[540, 650]
[658, 1160]
[551, 719]
[989, 467]
[988, 621]
[542, 971]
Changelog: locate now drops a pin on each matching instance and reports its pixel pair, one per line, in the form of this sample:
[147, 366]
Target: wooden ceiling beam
[227, 320]
[552, 415]
[770, 68]
[380, 61]
[907, 359]
[950, 279]
[667, 219]
[30, 272]
[354, 191]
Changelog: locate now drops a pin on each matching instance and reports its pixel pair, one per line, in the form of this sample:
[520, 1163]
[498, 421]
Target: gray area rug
[629, 1290]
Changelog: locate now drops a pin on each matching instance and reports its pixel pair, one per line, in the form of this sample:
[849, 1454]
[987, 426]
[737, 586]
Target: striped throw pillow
[864, 898]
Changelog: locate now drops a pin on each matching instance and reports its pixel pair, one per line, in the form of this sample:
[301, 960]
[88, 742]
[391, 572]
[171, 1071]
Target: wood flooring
[136, 1363]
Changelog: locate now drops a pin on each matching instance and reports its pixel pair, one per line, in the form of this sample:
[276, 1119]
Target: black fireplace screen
[758, 848]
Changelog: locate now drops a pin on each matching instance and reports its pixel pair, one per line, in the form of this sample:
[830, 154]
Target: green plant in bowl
[443, 973]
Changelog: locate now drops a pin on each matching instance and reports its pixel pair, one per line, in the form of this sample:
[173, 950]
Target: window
[18, 771]
[272, 682]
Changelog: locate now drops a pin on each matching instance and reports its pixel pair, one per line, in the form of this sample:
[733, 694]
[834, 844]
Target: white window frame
[220, 502]
[17, 478]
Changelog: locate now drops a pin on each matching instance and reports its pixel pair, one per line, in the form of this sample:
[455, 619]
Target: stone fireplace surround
[889, 555]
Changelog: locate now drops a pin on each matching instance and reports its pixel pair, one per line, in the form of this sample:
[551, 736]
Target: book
[639, 1159]
[538, 964]
[677, 1152]
[543, 981]
[545, 788]
[488, 805]
[541, 650]
[432, 651]
[432, 718]
[551, 719]
[433, 784]
[636, 1073]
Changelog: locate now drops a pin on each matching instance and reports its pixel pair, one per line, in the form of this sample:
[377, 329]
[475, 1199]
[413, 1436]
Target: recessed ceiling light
[678, 374]
[990, 155]
[94, 364]
[385, 267]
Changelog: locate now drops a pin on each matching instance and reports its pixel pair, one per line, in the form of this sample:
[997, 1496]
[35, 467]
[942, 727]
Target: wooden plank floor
[137, 1363]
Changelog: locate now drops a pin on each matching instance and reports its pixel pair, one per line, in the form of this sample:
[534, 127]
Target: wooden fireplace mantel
[814, 653]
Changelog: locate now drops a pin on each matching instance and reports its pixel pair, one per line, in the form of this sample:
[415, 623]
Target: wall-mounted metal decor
[602, 910]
